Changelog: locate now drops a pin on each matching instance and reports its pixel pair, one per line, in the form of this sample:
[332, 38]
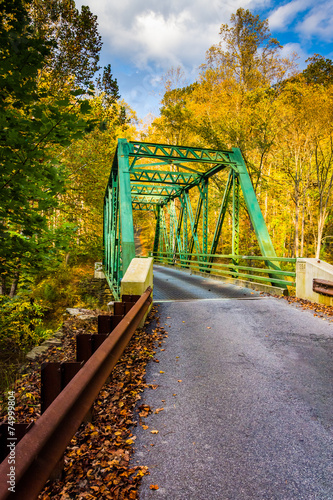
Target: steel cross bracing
[166, 180]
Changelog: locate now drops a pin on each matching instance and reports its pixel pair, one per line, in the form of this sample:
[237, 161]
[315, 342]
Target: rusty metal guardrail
[323, 287]
[39, 451]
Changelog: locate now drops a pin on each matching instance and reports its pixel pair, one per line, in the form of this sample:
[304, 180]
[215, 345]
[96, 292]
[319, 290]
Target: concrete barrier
[98, 273]
[306, 271]
[138, 277]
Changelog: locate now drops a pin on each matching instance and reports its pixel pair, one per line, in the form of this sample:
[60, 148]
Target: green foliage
[251, 56]
[108, 85]
[76, 41]
[20, 324]
[88, 165]
[69, 286]
[33, 126]
[176, 118]
[319, 70]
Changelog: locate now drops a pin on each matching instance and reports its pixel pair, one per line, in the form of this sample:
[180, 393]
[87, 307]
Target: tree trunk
[321, 224]
[303, 228]
[15, 281]
[3, 290]
[296, 229]
[67, 258]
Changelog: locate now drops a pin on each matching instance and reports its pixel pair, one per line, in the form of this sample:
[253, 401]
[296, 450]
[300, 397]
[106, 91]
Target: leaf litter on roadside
[97, 460]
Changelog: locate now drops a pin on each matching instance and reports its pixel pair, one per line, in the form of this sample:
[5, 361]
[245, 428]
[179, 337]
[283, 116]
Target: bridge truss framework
[159, 178]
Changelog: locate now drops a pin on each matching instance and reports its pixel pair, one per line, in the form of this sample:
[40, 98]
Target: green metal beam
[184, 153]
[204, 196]
[235, 214]
[161, 177]
[178, 241]
[257, 219]
[193, 225]
[146, 199]
[157, 229]
[153, 189]
[222, 213]
[125, 198]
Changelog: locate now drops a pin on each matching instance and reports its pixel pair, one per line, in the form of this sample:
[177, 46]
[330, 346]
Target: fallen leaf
[180, 381]
[154, 432]
[161, 371]
[145, 427]
[158, 410]
[154, 487]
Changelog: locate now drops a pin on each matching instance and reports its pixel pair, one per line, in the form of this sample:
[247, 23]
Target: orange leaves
[144, 410]
[97, 460]
[154, 487]
[131, 440]
[157, 411]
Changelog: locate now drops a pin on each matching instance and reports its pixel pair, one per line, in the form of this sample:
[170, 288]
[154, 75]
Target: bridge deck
[175, 284]
[247, 402]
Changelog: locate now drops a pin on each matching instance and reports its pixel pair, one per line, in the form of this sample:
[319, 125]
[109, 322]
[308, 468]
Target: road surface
[247, 392]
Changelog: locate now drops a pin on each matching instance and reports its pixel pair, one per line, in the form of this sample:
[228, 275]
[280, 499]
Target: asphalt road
[247, 392]
[173, 284]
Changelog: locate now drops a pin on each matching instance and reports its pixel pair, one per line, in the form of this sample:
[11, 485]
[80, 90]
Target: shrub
[20, 323]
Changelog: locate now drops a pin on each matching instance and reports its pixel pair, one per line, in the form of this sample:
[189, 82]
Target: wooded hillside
[248, 96]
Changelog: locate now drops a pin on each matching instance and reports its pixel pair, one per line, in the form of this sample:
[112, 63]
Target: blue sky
[143, 39]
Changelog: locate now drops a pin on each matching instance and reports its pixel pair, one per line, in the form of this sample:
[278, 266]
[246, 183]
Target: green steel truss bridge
[165, 180]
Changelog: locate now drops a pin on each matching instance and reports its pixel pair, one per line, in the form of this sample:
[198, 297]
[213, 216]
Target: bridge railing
[248, 267]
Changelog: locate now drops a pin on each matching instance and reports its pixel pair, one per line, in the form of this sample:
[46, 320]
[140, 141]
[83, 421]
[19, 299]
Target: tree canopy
[250, 97]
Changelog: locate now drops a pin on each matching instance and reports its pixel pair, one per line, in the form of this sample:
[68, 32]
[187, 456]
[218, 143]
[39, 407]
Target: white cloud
[294, 52]
[307, 19]
[163, 32]
[284, 16]
[142, 39]
[318, 22]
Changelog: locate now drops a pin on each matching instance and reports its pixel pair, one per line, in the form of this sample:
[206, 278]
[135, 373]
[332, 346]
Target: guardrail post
[97, 340]
[83, 347]
[54, 377]
[104, 323]
[50, 384]
[68, 371]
